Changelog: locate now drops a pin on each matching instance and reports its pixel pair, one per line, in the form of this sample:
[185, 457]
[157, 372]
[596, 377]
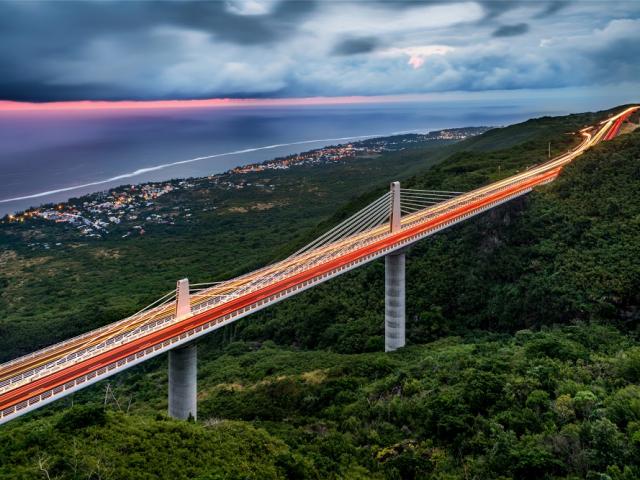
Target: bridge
[385, 228]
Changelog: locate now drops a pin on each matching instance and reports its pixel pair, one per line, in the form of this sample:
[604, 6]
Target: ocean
[51, 156]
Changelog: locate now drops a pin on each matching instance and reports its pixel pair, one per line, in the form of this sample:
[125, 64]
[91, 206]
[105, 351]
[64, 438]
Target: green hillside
[522, 360]
[561, 254]
[47, 295]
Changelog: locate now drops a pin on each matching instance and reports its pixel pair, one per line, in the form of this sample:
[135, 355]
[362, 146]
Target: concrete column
[394, 283]
[183, 365]
[183, 388]
[394, 302]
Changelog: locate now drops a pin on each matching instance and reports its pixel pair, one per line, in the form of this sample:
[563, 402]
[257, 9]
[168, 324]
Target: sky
[66, 51]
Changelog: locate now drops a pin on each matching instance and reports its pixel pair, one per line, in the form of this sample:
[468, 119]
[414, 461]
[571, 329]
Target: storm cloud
[113, 50]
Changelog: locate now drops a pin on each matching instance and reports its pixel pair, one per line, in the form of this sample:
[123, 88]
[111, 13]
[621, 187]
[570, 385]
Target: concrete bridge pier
[183, 387]
[394, 302]
[394, 283]
[183, 365]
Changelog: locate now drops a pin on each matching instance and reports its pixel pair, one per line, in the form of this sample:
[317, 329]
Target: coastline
[332, 153]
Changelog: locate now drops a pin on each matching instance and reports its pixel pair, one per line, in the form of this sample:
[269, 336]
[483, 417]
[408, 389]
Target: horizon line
[320, 100]
[20, 106]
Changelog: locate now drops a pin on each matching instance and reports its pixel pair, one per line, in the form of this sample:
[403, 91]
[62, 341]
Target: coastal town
[134, 206]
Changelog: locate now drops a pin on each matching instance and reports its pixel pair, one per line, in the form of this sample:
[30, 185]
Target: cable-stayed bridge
[384, 228]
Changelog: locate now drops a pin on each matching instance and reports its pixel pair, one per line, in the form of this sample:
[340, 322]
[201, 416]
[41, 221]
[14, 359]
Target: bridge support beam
[183, 365]
[394, 284]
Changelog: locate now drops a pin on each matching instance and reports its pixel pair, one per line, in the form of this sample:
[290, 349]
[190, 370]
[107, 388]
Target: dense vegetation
[559, 403]
[523, 360]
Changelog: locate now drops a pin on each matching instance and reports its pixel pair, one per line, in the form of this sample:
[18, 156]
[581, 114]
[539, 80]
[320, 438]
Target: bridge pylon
[183, 365]
[394, 283]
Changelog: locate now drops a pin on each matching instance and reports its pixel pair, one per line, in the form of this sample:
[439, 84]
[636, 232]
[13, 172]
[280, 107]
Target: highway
[36, 379]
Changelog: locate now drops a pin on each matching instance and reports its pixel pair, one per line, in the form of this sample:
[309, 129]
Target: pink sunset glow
[88, 105]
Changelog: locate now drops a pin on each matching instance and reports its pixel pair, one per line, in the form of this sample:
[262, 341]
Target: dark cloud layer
[352, 46]
[553, 8]
[110, 50]
[35, 35]
[511, 30]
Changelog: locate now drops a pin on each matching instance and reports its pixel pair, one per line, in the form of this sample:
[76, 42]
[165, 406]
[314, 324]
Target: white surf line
[181, 162]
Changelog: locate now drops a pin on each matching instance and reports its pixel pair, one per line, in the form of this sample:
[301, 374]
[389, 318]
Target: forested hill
[522, 359]
[559, 255]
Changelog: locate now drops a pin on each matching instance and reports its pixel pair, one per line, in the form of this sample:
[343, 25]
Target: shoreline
[144, 170]
[51, 193]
